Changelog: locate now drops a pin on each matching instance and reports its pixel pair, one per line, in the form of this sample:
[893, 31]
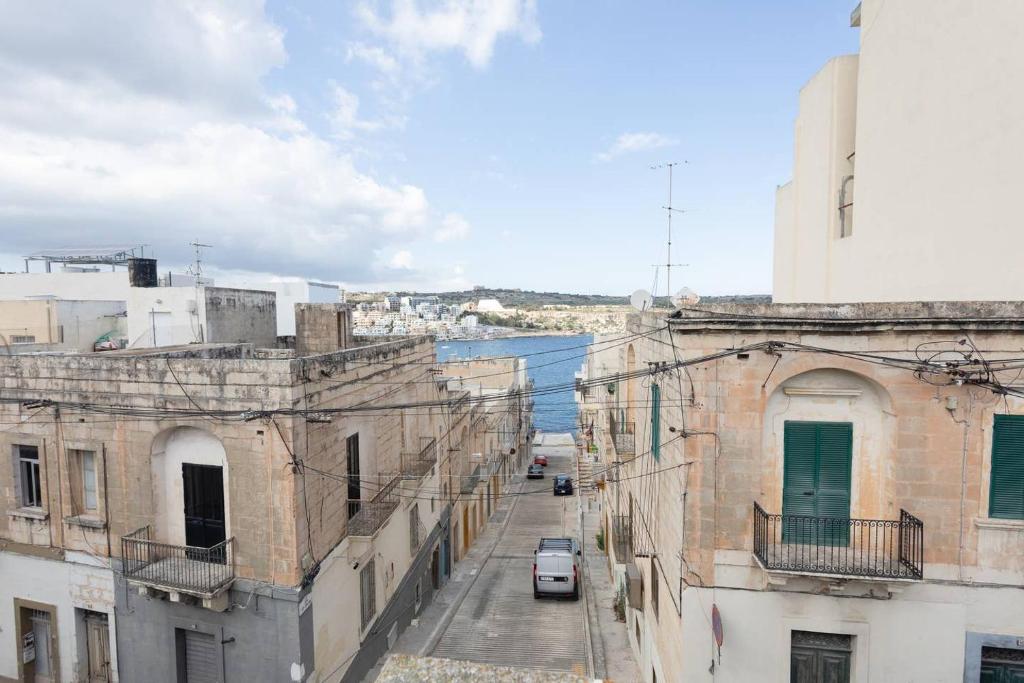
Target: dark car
[534, 472]
[563, 485]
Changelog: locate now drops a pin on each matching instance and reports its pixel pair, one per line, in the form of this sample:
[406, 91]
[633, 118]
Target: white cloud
[471, 27]
[636, 142]
[453, 227]
[374, 56]
[344, 117]
[149, 122]
[401, 260]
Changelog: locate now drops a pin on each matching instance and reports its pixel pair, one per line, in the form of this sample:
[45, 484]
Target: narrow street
[499, 621]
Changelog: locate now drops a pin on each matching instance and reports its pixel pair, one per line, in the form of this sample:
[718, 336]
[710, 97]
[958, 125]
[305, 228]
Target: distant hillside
[527, 299]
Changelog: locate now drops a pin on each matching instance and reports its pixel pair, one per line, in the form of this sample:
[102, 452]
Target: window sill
[37, 514]
[86, 521]
[995, 523]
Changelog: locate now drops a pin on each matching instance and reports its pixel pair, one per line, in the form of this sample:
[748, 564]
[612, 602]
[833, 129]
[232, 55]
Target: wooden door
[204, 505]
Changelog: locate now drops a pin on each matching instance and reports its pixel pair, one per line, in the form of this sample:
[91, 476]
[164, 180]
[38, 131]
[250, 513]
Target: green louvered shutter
[835, 456]
[656, 421]
[800, 444]
[1006, 490]
[816, 481]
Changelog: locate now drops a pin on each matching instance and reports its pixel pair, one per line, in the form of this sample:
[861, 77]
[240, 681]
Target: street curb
[446, 620]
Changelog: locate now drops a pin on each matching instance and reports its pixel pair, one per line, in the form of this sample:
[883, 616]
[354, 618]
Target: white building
[906, 165]
[291, 291]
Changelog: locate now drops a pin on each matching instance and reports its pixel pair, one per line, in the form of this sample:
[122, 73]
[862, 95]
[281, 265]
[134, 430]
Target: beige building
[47, 324]
[841, 487]
[905, 163]
[491, 425]
[226, 511]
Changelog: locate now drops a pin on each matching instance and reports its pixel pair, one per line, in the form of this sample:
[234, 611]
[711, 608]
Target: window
[84, 473]
[820, 657]
[654, 586]
[1006, 489]
[23, 339]
[29, 484]
[352, 460]
[368, 593]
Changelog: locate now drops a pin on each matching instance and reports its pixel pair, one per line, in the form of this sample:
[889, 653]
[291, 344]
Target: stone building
[838, 488]
[492, 425]
[222, 510]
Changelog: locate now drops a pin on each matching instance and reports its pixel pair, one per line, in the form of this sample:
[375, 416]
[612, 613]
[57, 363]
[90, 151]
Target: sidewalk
[422, 635]
[613, 656]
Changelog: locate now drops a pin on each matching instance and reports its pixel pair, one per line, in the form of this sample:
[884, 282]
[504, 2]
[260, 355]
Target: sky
[410, 144]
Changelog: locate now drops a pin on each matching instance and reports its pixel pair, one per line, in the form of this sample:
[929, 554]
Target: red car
[540, 460]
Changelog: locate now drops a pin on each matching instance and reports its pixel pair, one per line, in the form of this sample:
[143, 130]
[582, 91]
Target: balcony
[200, 572]
[623, 436]
[622, 538]
[834, 546]
[415, 465]
[366, 517]
[470, 481]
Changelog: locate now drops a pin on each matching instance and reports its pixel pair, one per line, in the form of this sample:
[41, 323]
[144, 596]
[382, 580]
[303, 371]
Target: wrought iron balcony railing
[877, 548]
[622, 538]
[204, 572]
[470, 481]
[415, 465]
[623, 436]
[366, 517]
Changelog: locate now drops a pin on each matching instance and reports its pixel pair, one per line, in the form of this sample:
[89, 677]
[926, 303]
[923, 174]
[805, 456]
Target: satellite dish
[641, 300]
[685, 297]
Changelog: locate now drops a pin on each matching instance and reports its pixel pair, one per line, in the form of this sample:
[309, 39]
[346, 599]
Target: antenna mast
[669, 209]
[197, 272]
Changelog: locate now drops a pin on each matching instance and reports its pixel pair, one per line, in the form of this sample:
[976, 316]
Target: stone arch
[833, 394]
[171, 449]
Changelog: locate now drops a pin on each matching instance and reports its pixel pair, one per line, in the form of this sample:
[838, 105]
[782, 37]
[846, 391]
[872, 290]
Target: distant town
[495, 313]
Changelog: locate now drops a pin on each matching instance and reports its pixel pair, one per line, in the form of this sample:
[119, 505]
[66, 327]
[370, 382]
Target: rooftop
[927, 315]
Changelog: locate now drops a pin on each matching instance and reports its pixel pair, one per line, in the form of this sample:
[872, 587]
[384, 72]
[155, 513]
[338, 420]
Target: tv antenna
[197, 273]
[197, 265]
[669, 210]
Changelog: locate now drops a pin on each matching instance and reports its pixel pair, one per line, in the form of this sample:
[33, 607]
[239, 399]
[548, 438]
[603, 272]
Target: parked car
[563, 485]
[540, 460]
[556, 568]
[534, 472]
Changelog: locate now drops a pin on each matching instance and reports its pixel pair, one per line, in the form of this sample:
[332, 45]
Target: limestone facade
[921, 442]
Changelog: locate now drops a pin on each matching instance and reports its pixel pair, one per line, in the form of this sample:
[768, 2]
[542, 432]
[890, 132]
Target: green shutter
[816, 479]
[1006, 490]
[799, 468]
[656, 421]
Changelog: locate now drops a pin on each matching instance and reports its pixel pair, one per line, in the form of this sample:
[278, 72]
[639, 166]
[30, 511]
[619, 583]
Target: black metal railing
[623, 435]
[622, 538]
[188, 569]
[367, 516]
[836, 545]
[470, 481]
[415, 465]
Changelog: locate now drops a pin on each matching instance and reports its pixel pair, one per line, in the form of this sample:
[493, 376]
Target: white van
[556, 568]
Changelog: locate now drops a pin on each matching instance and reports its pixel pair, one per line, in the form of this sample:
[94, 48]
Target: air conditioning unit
[634, 586]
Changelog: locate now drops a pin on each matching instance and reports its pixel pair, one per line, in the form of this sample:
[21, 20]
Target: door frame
[223, 499]
[21, 606]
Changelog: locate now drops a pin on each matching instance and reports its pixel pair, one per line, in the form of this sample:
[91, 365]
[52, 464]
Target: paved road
[499, 622]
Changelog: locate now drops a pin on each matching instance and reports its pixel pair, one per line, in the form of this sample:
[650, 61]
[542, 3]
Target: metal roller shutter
[200, 658]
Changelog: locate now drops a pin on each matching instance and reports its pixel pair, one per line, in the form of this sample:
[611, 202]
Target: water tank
[142, 272]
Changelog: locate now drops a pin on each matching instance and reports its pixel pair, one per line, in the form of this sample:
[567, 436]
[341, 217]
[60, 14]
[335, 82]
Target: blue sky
[473, 143]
